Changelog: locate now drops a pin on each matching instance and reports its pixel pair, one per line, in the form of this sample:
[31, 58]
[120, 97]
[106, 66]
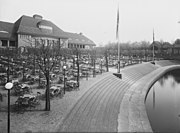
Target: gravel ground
[46, 121]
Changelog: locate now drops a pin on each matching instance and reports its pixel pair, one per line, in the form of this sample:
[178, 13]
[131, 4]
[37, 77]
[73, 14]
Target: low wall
[132, 115]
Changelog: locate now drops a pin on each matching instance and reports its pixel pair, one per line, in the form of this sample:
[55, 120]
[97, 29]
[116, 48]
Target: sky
[97, 19]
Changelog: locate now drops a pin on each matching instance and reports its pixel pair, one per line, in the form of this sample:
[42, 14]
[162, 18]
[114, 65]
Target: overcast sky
[96, 19]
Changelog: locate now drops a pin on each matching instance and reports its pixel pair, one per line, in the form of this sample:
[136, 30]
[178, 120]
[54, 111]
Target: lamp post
[8, 86]
[64, 69]
[153, 46]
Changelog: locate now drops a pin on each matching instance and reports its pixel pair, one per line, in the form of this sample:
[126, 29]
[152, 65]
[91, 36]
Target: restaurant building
[31, 31]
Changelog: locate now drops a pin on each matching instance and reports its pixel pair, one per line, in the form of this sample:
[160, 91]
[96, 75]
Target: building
[33, 31]
[176, 47]
[79, 41]
[166, 48]
[156, 45]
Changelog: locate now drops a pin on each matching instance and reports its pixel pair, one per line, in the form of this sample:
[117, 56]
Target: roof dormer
[45, 26]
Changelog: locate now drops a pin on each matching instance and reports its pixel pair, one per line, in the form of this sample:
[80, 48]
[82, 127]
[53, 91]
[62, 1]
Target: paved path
[98, 109]
[163, 63]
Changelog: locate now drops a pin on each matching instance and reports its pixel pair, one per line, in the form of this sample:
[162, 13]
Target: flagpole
[118, 56]
[118, 74]
[117, 39]
[153, 44]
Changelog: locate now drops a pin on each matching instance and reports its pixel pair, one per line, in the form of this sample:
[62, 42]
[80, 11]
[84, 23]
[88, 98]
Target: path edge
[132, 115]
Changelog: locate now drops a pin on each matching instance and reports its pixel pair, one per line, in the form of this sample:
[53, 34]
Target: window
[43, 41]
[45, 27]
[36, 41]
[57, 42]
[47, 43]
[4, 43]
[83, 46]
[12, 44]
[53, 42]
[24, 36]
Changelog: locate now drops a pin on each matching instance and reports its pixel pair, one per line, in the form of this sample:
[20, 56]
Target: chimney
[36, 16]
[80, 33]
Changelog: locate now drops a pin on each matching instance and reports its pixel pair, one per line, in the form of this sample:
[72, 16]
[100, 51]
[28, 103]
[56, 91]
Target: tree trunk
[78, 70]
[78, 73]
[172, 53]
[94, 70]
[39, 77]
[34, 65]
[47, 107]
[23, 72]
[106, 57]
[73, 63]
[92, 61]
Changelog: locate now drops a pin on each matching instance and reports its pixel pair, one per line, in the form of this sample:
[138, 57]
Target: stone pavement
[114, 105]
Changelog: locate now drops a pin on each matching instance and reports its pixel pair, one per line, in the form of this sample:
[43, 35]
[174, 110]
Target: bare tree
[45, 55]
[106, 55]
[93, 60]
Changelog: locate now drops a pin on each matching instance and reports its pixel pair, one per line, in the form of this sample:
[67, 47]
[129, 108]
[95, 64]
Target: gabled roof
[6, 30]
[29, 25]
[75, 38]
[156, 44]
[177, 43]
[167, 45]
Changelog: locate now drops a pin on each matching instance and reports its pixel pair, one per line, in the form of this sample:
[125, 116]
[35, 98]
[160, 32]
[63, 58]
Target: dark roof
[155, 43]
[45, 22]
[75, 38]
[29, 25]
[177, 45]
[167, 45]
[6, 30]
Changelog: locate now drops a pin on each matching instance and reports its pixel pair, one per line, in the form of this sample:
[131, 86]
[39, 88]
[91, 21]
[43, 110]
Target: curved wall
[133, 116]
